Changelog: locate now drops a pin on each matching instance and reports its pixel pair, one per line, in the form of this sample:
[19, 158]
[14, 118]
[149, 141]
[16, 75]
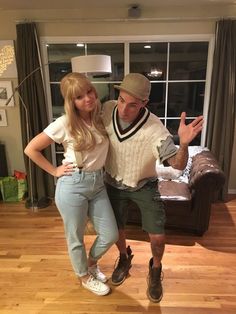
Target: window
[177, 71]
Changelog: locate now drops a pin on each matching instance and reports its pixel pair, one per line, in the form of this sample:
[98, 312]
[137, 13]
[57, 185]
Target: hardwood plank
[36, 274]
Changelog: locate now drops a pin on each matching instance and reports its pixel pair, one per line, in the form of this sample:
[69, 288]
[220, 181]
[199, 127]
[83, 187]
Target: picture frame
[6, 92]
[3, 117]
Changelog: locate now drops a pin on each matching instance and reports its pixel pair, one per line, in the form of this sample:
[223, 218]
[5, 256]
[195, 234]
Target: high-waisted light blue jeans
[78, 197]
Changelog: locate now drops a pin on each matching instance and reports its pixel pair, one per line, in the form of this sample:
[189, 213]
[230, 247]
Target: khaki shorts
[148, 201]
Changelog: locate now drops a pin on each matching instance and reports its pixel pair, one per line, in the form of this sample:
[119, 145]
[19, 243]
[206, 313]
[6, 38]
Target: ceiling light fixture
[155, 72]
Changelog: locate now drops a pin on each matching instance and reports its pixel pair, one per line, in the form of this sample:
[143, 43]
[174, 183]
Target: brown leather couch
[188, 204]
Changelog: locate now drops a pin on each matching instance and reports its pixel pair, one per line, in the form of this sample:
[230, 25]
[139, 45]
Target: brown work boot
[122, 269]
[154, 290]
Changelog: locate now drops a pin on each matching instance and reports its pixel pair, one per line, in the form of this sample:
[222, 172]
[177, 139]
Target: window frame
[126, 40]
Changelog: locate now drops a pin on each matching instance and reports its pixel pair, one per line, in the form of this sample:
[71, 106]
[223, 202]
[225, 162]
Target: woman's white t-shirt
[93, 159]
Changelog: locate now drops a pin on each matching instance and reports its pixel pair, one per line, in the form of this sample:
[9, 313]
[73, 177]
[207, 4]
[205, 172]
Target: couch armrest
[206, 179]
[205, 170]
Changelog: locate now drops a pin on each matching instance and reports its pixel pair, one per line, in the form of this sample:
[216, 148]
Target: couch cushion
[172, 190]
[167, 173]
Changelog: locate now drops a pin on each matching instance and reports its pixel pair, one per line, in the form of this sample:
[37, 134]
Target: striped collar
[133, 128]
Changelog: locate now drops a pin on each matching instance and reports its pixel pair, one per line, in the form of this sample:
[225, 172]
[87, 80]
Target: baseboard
[232, 191]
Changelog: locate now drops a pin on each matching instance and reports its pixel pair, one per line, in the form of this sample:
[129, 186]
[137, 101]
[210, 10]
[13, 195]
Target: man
[138, 140]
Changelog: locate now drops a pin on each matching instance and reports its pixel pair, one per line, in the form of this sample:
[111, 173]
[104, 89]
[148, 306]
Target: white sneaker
[96, 272]
[96, 286]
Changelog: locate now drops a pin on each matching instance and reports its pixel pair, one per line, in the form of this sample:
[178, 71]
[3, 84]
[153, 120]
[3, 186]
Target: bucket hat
[136, 85]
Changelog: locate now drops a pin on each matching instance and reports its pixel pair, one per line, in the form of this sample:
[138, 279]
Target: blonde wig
[73, 85]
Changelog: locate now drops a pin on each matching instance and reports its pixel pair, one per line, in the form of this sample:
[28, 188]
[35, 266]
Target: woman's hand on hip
[65, 170]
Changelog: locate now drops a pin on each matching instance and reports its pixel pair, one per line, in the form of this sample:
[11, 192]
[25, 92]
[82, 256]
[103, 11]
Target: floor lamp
[93, 64]
[31, 203]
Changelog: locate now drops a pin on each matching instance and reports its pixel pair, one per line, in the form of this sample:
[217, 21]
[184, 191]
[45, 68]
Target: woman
[80, 190]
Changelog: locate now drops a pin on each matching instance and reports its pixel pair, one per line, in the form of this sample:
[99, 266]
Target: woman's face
[86, 102]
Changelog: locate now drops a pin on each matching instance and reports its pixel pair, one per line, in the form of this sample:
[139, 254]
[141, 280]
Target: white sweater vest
[133, 152]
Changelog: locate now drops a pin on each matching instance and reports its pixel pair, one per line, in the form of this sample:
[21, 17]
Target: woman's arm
[34, 151]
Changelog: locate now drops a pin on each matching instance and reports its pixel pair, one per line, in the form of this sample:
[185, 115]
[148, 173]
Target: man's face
[128, 106]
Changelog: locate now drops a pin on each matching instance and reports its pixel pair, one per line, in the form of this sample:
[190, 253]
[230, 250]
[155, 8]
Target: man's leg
[124, 264]
[157, 242]
[119, 202]
[121, 243]
[154, 290]
[153, 222]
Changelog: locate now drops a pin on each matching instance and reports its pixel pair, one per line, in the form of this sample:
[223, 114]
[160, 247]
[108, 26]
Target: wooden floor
[36, 275]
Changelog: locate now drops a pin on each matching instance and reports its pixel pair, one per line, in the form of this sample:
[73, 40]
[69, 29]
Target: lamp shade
[95, 64]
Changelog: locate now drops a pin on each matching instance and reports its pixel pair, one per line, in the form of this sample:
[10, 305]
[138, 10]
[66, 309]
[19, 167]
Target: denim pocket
[73, 179]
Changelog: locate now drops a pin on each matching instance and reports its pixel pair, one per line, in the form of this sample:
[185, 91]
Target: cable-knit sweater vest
[133, 152]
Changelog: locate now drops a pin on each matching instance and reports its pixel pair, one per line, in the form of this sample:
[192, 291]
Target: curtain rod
[142, 19]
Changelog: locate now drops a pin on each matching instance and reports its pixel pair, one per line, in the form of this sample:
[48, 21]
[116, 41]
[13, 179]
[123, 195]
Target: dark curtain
[221, 115]
[33, 103]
